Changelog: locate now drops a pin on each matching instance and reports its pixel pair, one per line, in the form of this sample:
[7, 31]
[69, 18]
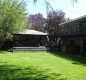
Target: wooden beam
[66, 44]
[82, 46]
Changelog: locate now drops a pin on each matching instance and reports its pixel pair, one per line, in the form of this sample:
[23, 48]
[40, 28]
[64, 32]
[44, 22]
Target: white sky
[71, 11]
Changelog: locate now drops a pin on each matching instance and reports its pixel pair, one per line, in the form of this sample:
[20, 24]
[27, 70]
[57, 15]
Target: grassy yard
[41, 66]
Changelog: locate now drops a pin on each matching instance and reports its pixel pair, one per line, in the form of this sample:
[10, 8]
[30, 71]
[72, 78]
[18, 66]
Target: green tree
[12, 18]
[74, 1]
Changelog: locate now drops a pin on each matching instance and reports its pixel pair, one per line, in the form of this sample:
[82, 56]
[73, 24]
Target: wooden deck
[42, 48]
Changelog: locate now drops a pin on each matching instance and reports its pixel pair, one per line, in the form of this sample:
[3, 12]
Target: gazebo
[29, 38]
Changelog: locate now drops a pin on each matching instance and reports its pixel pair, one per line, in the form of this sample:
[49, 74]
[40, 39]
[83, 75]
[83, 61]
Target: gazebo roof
[33, 32]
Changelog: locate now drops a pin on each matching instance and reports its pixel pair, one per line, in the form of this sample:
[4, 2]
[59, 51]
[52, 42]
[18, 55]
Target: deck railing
[72, 30]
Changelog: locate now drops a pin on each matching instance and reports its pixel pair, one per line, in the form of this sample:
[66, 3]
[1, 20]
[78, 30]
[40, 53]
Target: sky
[71, 10]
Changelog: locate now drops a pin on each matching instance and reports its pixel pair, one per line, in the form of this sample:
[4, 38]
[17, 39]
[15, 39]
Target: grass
[41, 66]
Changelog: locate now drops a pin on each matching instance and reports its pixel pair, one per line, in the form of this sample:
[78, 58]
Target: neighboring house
[73, 36]
[29, 38]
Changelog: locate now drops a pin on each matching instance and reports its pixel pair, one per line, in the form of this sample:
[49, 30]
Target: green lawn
[40, 66]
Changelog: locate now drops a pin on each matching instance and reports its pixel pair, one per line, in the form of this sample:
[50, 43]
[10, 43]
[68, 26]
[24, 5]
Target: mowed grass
[40, 66]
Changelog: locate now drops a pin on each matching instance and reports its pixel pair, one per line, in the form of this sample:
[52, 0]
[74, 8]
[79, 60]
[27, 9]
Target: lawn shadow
[11, 72]
[73, 58]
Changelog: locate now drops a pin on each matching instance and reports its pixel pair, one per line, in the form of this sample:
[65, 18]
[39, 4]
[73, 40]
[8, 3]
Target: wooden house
[73, 36]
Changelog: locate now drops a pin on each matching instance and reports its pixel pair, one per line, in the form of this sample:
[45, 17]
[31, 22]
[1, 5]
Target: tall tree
[37, 22]
[54, 18]
[12, 18]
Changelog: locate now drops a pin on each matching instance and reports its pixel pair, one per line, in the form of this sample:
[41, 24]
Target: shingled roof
[33, 32]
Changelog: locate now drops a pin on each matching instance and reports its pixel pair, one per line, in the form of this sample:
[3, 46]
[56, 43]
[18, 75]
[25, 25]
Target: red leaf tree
[37, 22]
[54, 18]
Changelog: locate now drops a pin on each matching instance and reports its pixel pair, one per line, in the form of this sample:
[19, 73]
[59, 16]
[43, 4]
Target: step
[34, 49]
